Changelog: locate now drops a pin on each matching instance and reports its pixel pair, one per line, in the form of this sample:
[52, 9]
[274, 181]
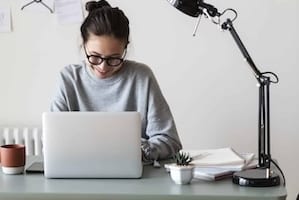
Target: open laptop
[92, 144]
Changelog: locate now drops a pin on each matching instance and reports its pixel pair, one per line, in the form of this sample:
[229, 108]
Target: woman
[108, 82]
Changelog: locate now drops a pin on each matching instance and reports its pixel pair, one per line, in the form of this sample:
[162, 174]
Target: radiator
[30, 137]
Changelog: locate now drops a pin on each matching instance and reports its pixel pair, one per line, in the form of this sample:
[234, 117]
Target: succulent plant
[182, 158]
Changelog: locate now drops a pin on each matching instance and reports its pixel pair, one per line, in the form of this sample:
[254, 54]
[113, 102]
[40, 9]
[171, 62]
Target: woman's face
[105, 55]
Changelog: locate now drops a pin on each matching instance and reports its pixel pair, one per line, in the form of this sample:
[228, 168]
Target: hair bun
[93, 5]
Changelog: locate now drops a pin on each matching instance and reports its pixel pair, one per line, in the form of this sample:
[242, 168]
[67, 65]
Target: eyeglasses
[112, 61]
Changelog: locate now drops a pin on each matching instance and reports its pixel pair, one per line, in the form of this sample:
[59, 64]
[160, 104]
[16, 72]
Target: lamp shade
[189, 7]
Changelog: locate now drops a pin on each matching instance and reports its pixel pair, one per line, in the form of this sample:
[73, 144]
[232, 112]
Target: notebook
[92, 144]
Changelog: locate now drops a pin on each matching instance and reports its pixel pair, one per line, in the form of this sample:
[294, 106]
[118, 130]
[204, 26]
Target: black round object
[256, 178]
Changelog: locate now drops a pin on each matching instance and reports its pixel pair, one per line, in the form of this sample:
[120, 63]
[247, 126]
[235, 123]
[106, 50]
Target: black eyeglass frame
[106, 59]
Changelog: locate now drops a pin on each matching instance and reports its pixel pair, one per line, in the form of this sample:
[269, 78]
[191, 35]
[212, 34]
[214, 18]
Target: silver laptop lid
[92, 144]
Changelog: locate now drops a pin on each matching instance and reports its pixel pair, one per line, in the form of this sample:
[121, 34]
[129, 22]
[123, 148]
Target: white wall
[210, 89]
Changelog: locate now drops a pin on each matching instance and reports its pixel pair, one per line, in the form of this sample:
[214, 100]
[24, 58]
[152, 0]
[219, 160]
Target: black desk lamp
[262, 176]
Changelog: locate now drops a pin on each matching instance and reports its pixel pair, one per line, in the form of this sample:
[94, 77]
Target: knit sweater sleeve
[65, 92]
[162, 138]
[58, 102]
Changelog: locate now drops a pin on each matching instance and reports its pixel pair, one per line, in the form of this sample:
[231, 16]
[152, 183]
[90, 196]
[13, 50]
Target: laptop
[92, 144]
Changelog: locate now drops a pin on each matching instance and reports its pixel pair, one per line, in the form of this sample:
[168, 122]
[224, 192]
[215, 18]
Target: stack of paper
[215, 164]
[216, 157]
[5, 20]
[211, 174]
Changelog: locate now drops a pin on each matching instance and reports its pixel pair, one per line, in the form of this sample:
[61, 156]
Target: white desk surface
[155, 184]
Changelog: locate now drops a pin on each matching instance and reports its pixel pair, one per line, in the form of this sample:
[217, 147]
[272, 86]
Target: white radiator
[30, 137]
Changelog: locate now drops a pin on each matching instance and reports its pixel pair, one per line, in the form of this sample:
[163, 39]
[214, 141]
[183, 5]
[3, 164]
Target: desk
[155, 184]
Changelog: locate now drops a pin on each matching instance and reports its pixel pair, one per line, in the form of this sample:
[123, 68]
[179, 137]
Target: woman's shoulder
[72, 71]
[138, 68]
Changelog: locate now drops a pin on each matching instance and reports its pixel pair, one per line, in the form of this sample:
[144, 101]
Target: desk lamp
[262, 176]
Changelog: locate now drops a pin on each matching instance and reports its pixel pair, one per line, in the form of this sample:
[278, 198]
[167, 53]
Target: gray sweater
[133, 88]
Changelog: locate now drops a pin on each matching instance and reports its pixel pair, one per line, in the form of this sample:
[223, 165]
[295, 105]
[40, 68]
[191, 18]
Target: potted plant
[181, 171]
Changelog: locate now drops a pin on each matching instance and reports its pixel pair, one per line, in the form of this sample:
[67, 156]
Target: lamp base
[256, 178]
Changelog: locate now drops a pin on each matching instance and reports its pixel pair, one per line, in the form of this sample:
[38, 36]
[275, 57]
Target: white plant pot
[181, 174]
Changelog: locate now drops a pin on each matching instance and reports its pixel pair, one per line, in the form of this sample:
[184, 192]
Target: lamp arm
[228, 25]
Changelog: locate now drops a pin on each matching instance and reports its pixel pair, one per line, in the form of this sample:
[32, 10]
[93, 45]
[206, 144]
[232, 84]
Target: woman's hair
[103, 19]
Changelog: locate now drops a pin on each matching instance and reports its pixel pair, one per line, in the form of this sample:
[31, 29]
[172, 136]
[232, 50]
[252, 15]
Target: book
[219, 172]
[211, 174]
[249, 162]
[216, 157]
